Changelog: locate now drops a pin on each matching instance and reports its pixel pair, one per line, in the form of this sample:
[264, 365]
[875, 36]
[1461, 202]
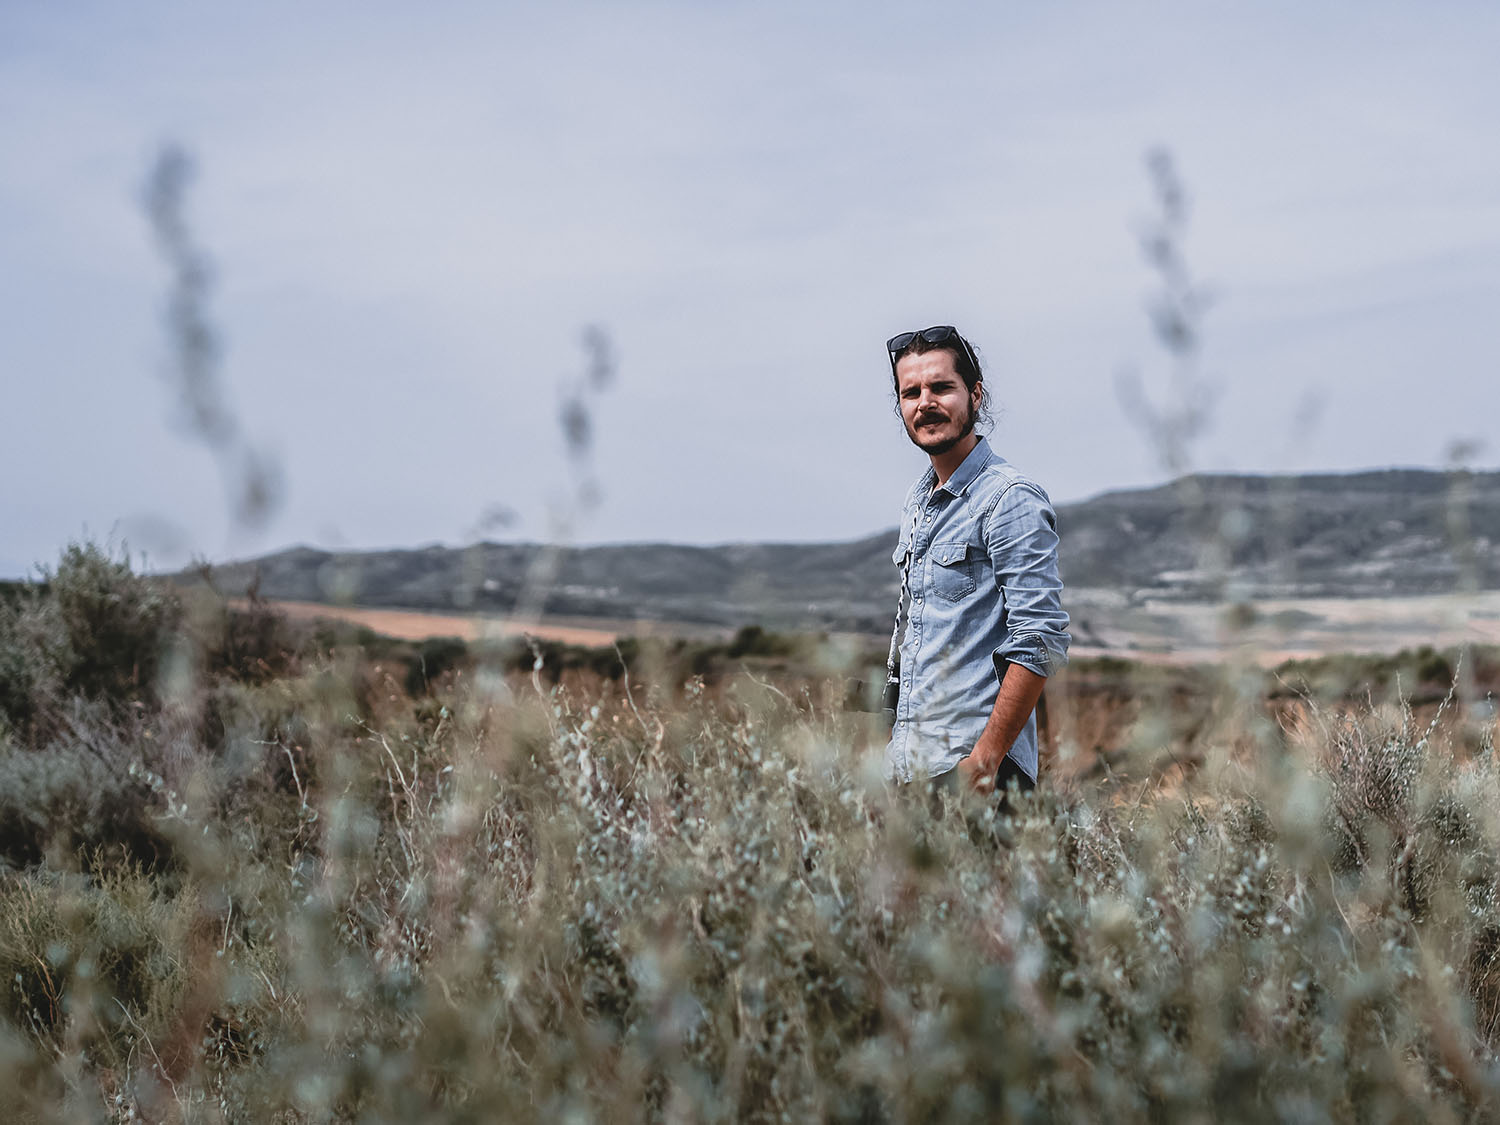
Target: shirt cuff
[1030, 651]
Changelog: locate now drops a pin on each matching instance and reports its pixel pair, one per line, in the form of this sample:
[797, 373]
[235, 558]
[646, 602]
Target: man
[980, 624]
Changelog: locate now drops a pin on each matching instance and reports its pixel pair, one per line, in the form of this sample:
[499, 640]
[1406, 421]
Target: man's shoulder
[999, 480]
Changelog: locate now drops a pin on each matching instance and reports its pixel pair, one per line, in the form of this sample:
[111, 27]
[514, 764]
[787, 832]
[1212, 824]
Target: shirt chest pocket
[953, 566]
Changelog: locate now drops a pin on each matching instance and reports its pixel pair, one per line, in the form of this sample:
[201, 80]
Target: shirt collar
[964, 475]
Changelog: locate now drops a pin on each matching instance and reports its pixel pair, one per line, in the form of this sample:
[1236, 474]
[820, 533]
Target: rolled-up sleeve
[1020, 533]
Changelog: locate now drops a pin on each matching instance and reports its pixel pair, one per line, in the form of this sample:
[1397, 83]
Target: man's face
[937, 408]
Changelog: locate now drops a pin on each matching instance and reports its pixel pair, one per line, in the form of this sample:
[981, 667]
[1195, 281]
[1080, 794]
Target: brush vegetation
[248, 873]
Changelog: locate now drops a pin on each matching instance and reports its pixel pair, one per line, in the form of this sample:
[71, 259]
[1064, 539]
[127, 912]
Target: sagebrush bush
[114, 623]
[17, 672]
[434, 658]
[87, 791]
[252, 643]
[93, 629]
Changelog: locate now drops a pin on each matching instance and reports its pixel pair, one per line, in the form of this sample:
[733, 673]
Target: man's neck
[946, 464]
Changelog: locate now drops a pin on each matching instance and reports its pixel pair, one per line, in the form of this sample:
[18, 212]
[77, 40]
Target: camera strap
[903, 612]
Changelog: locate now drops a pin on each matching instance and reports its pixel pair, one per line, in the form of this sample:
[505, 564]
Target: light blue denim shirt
[985, 593]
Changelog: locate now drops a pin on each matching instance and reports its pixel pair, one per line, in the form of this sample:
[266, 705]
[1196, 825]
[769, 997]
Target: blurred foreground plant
[314, 896]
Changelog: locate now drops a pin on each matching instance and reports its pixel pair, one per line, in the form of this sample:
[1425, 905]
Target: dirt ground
[416, 625]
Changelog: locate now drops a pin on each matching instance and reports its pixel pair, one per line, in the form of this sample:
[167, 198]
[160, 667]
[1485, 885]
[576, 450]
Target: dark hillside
[1395, 532]
[1372, 534]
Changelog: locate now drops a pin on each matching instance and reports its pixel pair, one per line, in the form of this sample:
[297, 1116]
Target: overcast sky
[413, 211]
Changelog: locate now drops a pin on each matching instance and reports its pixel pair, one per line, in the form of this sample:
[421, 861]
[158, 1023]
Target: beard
[942, 445]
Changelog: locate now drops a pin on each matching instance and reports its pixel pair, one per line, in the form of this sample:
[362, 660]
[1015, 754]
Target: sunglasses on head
[937, 334]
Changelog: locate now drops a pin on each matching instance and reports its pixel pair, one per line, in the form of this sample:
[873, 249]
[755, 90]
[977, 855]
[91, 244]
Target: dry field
[1105, 624]
[417, 625]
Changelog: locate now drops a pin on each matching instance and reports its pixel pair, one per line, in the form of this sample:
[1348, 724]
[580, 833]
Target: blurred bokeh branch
[576, 420]
[1177, 310]
[575, 414]
[252, 480]
[575, 417]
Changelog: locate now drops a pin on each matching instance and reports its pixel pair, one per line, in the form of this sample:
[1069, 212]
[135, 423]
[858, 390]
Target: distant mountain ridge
[1369, 534]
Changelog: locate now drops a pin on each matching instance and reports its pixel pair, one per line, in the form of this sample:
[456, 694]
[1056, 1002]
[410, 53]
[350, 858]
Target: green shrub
[433, 658]
[752, 640]
[114, 624]
[93, 629]
[18, 686]
[78, 794]
[250, 644]
[14, 593]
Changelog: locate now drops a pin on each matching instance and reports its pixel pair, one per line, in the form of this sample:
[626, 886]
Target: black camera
[891, 696]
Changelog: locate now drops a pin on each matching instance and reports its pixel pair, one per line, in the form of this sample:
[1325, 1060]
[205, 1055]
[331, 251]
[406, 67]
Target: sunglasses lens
[937, 334]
